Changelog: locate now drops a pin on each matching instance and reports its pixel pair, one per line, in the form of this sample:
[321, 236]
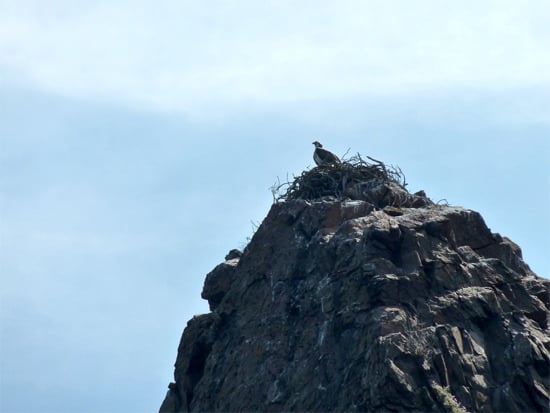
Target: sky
[139, 141]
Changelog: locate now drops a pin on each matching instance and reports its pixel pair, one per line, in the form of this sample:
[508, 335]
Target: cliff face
[368, 304]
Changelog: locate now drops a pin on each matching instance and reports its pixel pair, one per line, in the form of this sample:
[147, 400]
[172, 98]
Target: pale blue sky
[139, 140]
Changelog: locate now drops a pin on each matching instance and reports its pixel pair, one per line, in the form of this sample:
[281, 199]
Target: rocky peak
[355, 295]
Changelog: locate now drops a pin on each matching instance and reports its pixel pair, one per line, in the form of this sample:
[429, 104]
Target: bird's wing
[327, 156]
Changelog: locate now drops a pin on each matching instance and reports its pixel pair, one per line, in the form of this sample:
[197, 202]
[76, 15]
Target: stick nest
[339, 180]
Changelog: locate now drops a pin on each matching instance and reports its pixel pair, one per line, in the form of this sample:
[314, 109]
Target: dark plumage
[323, 157]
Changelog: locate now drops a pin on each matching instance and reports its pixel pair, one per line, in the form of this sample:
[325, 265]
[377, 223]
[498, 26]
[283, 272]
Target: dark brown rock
[234, 253]
[218, 281]
[341, 306]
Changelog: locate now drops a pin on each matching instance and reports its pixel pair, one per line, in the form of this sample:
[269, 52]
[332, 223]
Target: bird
[323, 157]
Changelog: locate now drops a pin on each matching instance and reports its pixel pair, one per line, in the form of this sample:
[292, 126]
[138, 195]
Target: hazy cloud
[180, 55]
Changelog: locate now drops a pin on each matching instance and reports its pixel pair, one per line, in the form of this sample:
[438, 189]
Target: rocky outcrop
[367, 305]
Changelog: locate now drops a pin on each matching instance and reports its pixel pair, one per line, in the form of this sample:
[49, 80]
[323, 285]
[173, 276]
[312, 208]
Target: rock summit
[355, 295]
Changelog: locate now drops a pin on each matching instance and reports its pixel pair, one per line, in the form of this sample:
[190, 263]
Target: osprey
[323, 157]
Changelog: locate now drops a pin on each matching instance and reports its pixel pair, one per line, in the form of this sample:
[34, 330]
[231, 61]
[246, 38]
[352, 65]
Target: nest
[339, 180]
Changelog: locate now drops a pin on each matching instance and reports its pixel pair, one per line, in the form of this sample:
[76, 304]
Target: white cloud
[182, 54]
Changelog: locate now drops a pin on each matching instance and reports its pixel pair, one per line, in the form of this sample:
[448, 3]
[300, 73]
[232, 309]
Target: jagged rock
[218, 281]
[234, 253]
[338, 305]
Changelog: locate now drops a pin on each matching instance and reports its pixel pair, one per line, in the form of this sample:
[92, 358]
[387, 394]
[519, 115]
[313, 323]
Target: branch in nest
[336, 179]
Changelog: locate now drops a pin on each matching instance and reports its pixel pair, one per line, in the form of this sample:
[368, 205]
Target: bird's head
[317, 144]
